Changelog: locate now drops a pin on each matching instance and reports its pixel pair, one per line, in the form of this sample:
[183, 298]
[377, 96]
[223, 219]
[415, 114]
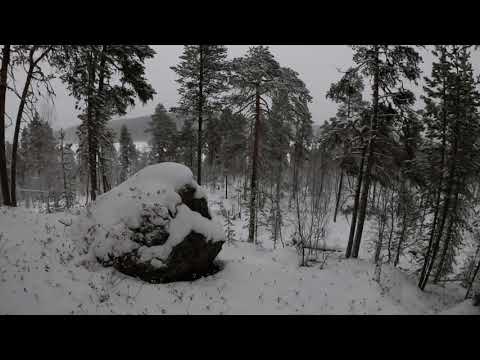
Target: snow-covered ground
[40, 273]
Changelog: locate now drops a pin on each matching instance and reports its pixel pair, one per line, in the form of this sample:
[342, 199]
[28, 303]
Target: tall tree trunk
[401, 240]
[91, 133]
[447, 239]
[226, 186]
[446, 208]
[13, 170]
[404, 224]
[392, 226]
[3, 157]
[428, 255]
[355, 206]
[31, 67]
[366, 185]
[200, 120]
[253, 182]
[382, 224]
[62, 159]
[339, 194]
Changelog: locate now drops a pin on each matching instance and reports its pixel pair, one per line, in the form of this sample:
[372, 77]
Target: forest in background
[412, 174]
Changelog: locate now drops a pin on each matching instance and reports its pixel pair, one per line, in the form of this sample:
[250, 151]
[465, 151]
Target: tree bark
[3, 158]
[91, 136]
[253, 182]
[447, 240]
[355, 206]
[62, 159]
[427, 258]
[339, 193]
[13, 170]
[226, 186]
[31, 66]
[200, 120]
[366, 185]
[446, 207]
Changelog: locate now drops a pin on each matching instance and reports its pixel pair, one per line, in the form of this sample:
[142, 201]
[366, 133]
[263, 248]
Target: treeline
[414, 172]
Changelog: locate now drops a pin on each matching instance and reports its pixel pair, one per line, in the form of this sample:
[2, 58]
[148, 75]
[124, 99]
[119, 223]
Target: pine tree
[67, 162]
[187, 144]
[163, 140]
[42, 159]
[387, 65]
[202, 76]
[128, 154]
[342, 132]
[105, 80]
[453, 128]
[257, 77]
[233, 153]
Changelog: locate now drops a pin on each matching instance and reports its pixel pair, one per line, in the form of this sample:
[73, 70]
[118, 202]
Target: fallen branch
[66, 224]
[321, 249]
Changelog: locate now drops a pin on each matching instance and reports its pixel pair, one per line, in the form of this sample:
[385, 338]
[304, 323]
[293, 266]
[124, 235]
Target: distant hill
[136, 126]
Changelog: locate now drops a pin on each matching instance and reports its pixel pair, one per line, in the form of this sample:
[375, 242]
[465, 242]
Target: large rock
[155, 226]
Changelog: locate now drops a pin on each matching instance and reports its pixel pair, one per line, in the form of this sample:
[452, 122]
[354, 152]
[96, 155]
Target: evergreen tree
[187, 143]
[387, 65]
[128, 154]
[163, 141]
[42, 161]
[67, 162]
[342, 133]
[453, 129]
[257, 77]
[105, 80]
[233, 153]
[202, 75]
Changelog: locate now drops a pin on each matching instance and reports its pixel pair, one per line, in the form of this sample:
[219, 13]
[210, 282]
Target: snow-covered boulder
[155, 226]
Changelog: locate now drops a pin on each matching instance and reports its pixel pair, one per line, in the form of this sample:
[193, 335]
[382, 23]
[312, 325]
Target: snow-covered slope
[40, 274]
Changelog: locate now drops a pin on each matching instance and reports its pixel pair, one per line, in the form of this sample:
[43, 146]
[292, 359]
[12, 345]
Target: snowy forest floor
[40, 274]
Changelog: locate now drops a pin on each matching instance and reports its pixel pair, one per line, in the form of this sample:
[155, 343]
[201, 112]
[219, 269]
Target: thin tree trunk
[392, 226]
[402, 236]
[427, 258]
[91, 136]
[355, 206]
[447, 240]
[253, 182]
[383, 221]
[13, 170]
[226, 186]
[445, 209]
[339, 193]
[62, 159]
[366, 185]
[31, 66]
[200, 120]
[3, 158]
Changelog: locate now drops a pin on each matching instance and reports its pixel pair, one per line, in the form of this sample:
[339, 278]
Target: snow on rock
[146, 217]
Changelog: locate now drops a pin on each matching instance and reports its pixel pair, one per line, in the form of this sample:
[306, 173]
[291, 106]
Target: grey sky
[316, 64]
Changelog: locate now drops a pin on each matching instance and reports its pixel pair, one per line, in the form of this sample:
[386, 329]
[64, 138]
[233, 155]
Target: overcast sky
[316, 64]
